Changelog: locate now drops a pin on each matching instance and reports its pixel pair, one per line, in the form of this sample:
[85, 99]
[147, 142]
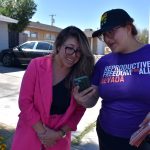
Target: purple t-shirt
[124, 86]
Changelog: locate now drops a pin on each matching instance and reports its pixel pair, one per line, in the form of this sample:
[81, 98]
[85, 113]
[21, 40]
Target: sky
[85, 14]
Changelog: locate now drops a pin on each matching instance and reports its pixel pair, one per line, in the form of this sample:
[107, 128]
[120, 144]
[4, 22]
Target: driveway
[10, 79]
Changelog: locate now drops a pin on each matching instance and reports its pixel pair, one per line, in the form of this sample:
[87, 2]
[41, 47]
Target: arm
[39, 128]
[82, 102]
[87, 98]
[49, 137]
[75, 117]
[64, 130]
[146, 120]
[29, 113]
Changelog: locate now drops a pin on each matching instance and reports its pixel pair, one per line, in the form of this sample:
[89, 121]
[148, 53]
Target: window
[34, 34]
[28, 45]
[53, 37]
[27, 32]
[47, 36]
[44, 46]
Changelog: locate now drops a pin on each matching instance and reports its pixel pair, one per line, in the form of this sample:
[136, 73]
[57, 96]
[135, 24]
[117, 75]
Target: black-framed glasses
[109, 34]
[70, 50]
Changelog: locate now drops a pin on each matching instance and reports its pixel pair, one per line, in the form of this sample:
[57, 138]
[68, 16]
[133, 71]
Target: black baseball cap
[111, 19]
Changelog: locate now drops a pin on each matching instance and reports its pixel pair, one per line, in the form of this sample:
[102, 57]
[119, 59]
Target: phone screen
[83, 82]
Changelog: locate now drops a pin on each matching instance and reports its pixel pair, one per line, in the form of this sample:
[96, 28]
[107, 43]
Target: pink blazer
[35, 100]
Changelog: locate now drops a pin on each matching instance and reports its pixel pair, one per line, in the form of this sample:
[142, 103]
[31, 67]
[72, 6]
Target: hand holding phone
[83, 82]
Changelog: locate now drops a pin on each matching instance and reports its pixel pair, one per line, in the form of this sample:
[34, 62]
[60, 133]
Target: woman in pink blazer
[49, 111]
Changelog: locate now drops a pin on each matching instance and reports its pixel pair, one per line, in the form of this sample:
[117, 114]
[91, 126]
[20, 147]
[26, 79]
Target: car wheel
[7, 60]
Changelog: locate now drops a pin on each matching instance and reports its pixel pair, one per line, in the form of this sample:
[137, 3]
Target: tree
[143, 36]
[21, 10]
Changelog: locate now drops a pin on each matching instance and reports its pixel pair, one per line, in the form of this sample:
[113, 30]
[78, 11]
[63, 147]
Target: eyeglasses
[70, 50]
[109, 34]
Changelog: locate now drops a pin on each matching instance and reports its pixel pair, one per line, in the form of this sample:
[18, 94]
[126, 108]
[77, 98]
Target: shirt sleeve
[26, 97]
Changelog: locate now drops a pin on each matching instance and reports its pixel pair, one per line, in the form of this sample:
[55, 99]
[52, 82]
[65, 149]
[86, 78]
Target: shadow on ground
[7, 134]
[4, 69]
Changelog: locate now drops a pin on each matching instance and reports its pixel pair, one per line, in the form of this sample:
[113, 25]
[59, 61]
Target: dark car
[23, 53]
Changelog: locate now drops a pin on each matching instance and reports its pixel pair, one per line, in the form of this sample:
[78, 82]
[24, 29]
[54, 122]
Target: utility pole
[52, 19]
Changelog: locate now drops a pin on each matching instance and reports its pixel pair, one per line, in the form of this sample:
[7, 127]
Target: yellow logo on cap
[104, 18]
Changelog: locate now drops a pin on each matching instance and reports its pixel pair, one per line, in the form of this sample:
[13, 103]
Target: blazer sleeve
[76, 117]
[28, 114]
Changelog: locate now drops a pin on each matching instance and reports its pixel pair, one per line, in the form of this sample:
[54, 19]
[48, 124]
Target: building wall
[3, 35]
[98, 46]
[23, 38]
[95, 46]
[39, 34]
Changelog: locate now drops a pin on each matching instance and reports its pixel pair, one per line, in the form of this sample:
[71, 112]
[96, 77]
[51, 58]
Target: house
[4, 38]
[97, 46]
[38, 31]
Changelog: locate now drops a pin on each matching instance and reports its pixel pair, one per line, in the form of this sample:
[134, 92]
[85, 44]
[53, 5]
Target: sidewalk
[90, 140]
[9, 112]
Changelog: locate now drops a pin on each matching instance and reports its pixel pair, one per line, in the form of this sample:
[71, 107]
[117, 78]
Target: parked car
[23, 53]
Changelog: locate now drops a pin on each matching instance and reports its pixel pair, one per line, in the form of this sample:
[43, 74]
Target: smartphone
[83, 82]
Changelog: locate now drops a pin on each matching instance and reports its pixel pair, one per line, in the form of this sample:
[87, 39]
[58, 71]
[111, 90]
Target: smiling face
[69, 53]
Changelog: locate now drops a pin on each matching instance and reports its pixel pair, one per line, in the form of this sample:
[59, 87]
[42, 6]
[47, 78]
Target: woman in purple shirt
[121, 79]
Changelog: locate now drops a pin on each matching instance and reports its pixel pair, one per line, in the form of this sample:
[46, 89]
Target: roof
[39, 25]
[8, 19]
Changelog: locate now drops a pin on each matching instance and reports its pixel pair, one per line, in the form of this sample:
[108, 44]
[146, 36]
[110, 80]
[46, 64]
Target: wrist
[41, 133]
[59, 134]
[62, 133]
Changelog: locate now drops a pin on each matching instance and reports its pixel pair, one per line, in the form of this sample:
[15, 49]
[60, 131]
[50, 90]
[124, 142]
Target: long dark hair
[86, 63]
